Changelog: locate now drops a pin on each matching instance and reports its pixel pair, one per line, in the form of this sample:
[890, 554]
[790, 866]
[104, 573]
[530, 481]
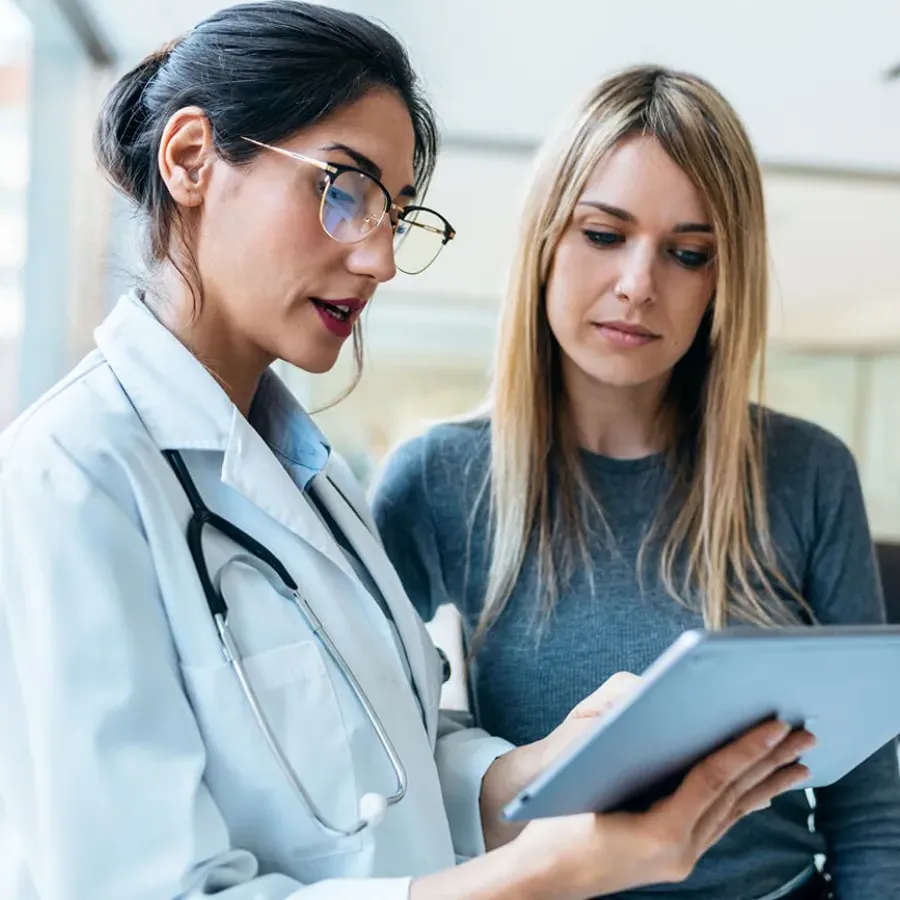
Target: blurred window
[15, 59]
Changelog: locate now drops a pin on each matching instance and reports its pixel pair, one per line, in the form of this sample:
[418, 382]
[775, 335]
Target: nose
[636, 281]
[374, 255]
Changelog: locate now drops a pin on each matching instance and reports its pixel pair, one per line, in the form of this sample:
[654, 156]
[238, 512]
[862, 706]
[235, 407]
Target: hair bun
[120, 139]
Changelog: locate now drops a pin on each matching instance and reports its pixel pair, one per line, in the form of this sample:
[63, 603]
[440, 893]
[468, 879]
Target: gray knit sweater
[437, 535]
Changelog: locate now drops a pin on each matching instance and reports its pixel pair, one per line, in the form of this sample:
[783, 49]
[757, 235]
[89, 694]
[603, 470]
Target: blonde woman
[620, 487]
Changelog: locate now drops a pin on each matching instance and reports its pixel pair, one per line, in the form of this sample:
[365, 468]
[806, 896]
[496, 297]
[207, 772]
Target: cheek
[264, 235]
[281, 232]
[577, 281]
[685, 315]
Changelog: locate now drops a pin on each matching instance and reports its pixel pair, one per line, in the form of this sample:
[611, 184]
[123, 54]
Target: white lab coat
[130, 766]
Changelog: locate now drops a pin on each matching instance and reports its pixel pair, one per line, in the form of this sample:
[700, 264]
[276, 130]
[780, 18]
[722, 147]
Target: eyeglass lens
[354, 205]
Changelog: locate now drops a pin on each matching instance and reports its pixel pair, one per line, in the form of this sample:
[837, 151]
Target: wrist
[514, 870]
[506, 776]
[542, 871]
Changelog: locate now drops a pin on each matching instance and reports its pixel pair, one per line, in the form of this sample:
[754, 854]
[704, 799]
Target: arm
[101, 773]
[859, 815]
[589, 856]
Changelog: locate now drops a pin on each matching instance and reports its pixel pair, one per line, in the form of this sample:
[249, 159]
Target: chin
[314, 363]
[625, 377]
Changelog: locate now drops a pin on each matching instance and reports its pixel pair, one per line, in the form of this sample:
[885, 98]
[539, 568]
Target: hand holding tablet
[664, 843]
[710, 688]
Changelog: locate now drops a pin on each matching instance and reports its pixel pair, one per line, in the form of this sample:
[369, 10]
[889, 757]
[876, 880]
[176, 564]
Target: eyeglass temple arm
[318, 163]
[447, 232]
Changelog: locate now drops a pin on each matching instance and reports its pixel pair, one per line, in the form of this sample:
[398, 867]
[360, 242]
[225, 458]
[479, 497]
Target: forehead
[378, 126]
[638, 175]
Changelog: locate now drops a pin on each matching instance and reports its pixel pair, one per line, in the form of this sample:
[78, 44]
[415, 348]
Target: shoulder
[448, 444]
[445, 456]
[811, 478]
[459, 440]
[442, 469]
[800, 449]
[80, 434]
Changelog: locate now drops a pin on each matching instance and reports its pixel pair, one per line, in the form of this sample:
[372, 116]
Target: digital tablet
[842, 683]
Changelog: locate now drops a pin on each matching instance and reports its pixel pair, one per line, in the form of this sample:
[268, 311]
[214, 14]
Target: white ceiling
[807, 76]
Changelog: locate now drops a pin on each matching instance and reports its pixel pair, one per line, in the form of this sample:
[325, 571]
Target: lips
[339, 316]
[625, 335]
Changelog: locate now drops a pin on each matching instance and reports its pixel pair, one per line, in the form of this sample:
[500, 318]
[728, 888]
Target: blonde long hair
[719, 541]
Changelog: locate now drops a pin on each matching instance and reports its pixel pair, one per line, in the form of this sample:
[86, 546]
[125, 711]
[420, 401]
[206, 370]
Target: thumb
[617, 687]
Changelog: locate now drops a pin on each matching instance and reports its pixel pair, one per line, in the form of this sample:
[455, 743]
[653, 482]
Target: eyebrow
[370, 168]
[625, 216]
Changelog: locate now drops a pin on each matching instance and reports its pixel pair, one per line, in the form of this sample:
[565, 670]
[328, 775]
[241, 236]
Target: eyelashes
[685, 257]
[603, 238]
[691, 259]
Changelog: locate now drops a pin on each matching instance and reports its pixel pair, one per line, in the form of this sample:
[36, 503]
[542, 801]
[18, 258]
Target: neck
[617, 422]
[229, 357]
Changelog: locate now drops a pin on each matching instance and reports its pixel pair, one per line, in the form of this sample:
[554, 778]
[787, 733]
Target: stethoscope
[372, 806]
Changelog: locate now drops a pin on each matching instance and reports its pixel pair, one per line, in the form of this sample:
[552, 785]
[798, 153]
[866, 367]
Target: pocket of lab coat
[262, 811]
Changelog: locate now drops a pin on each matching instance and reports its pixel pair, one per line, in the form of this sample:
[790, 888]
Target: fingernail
[776, 737]
[761, 806]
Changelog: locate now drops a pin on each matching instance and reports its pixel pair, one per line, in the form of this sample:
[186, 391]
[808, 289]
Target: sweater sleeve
[405, 520]
[859, 816]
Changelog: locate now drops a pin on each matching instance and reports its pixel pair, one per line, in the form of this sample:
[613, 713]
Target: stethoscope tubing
[260, 558]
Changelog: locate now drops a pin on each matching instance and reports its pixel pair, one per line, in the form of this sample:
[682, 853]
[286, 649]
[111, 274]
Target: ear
[186, 155]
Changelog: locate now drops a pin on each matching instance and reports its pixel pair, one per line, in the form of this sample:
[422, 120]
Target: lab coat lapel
[251, 468]
[183, 408]
[336, 500]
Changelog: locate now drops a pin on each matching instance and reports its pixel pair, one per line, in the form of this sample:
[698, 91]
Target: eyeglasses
[354, 203]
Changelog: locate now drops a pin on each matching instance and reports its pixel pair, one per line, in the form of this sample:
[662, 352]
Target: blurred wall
[68, 248]
[14, 160]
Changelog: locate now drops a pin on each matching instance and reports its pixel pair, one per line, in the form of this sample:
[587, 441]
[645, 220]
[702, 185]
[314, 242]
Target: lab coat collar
[178, 400]
[184, 407]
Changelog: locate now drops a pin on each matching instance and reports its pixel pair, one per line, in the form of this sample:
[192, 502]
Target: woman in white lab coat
[276, 153]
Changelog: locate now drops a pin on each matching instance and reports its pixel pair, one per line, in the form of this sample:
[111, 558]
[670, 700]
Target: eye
[399, 223]
[602, 238]
[691, 259]
[341, 198]
[336, 194]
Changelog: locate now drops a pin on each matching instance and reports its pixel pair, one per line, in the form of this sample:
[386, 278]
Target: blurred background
[811, 79]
